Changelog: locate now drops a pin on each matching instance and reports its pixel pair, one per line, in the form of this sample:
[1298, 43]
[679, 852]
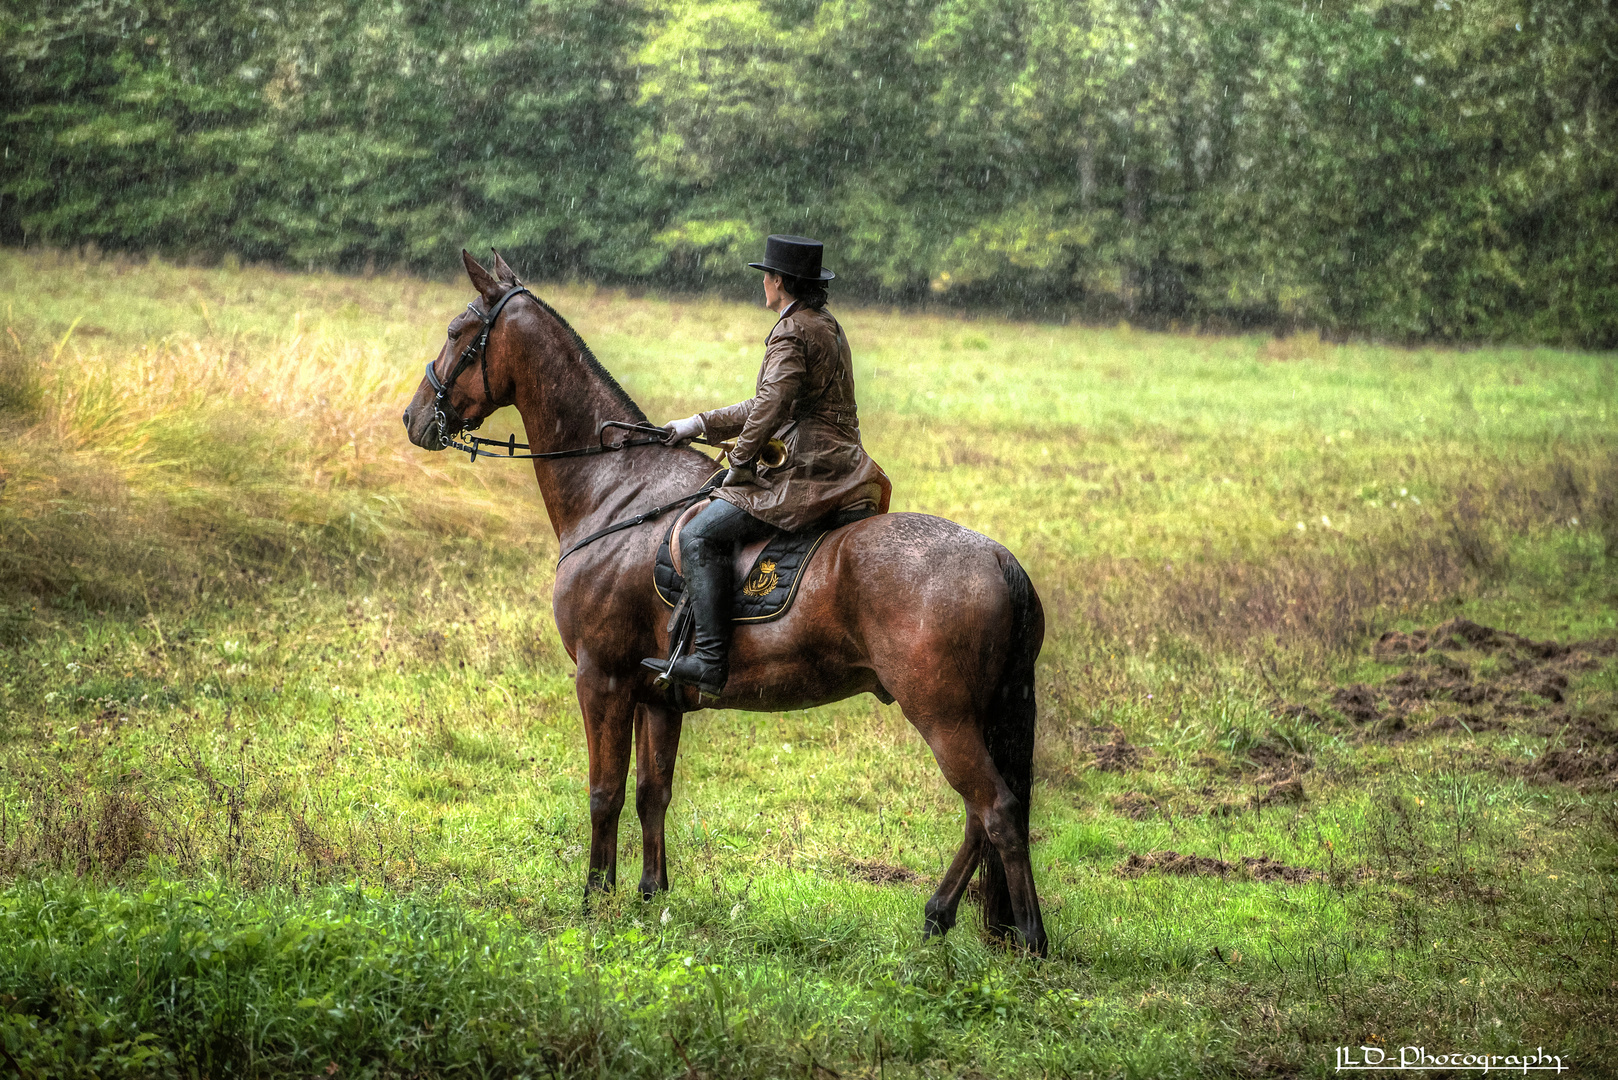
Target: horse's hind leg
[657, 742]
[942, 905]
[1010, 901]
[966, 764]
[994, 895]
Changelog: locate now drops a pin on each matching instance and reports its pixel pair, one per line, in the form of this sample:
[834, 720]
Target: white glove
[681, 432]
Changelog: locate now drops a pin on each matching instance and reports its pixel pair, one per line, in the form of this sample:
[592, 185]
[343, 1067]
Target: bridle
[478, 352]
[443, 412]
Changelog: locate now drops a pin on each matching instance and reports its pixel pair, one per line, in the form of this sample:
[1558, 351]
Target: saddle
[767, 571]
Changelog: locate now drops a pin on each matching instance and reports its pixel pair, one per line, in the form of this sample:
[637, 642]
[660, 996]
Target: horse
[909, 607]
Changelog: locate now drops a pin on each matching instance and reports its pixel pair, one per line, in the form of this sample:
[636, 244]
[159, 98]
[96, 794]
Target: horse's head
[465, 384]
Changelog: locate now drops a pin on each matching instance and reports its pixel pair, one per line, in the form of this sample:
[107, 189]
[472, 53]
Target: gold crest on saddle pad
[764, 581]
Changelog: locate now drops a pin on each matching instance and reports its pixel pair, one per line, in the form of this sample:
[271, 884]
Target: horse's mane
[595, 365]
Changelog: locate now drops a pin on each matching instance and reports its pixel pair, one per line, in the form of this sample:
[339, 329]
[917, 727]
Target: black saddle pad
[772, 582]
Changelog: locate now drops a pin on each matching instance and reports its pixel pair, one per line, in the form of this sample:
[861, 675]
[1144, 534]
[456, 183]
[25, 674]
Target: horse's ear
[502, 271]
[482, 280]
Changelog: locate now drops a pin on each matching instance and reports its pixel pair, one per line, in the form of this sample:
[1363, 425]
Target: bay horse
[909, 607]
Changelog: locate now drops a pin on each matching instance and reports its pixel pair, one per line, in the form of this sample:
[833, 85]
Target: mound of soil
[1135, 806]
[1289, 790]
[1491, 675]
[1117, 756]
[1281, 792]
[1261, 868]
[1357, 702]
[1584, 766]
[1463, 634]
[1301, 713]
[881, 873]
[1473, 722]
[1108, 749]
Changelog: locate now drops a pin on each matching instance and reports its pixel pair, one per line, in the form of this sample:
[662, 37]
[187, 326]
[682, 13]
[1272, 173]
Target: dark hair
[811, 294]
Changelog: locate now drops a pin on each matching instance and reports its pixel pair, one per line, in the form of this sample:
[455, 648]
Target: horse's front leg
[657, 742]
[608, 725]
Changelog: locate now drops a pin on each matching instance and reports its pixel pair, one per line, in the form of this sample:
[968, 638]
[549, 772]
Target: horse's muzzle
[434, 435]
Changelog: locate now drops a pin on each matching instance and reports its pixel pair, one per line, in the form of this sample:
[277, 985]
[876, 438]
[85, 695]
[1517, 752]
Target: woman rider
[805, 397]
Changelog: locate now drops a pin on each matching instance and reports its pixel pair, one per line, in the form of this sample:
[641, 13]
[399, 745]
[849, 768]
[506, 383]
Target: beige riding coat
[805, 397]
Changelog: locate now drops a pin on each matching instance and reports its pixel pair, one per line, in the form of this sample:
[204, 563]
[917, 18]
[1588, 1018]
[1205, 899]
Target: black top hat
[794, 256]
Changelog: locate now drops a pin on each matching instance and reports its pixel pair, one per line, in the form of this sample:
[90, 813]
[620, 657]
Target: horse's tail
[1008, 731]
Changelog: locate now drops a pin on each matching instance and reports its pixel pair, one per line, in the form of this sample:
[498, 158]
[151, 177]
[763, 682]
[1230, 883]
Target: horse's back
[893, 601]
[908, 569]
[917, 547]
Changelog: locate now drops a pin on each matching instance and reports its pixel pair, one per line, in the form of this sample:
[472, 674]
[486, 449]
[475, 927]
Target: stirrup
[682, 628]
[671, 684]
[670, 680]
[663, 679]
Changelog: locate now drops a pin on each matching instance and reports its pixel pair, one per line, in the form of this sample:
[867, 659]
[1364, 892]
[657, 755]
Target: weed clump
[21, 391]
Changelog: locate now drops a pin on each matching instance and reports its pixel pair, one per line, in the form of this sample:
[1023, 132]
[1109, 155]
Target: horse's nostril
[407, 418]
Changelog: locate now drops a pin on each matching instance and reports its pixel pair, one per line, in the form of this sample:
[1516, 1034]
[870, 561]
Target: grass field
[293, 777]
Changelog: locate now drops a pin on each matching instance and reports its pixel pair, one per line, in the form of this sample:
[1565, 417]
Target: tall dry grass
[184, 465]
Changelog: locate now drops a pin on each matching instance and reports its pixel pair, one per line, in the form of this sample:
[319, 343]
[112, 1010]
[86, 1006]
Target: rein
[474, 444]
[646, 515]
[511, 446]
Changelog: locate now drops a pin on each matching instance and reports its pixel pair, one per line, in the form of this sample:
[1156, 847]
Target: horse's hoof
[595, 886]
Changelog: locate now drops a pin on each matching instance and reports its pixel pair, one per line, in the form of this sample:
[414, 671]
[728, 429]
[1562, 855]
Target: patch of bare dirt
[1108, 749]
[1466, 634]
[1472, 722]
[1117, 755]
[1493, 676]
[881, 873]
[1135, 806]
[1586, 767]
[1301, 713]
[1357, 702]
[1289, 790]
[1274, 759]
[1261, 868]
[1283, 792]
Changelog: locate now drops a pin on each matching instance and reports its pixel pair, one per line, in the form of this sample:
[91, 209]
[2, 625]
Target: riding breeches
[710, 539]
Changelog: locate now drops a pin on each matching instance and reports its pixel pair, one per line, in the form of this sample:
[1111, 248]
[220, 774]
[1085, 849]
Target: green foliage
[320, 135]
[169, 980]
[1398, 168]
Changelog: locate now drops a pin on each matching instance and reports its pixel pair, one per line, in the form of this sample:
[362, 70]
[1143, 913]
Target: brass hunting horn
[773, 456]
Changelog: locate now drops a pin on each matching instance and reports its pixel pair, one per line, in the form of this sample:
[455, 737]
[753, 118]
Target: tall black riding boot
[707, 582]
[707, 552]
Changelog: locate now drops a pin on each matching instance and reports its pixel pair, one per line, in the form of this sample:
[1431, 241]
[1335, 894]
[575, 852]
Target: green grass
[294, 779]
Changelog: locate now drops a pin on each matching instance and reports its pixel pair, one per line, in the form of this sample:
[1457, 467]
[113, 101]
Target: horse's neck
[563, 400]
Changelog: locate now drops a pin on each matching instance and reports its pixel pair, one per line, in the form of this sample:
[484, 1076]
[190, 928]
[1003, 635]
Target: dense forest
[1441, 168]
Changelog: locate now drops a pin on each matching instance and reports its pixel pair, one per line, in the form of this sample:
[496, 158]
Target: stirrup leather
[682, 633]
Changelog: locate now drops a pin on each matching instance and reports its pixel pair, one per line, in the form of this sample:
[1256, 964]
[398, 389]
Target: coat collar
[788, 310]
